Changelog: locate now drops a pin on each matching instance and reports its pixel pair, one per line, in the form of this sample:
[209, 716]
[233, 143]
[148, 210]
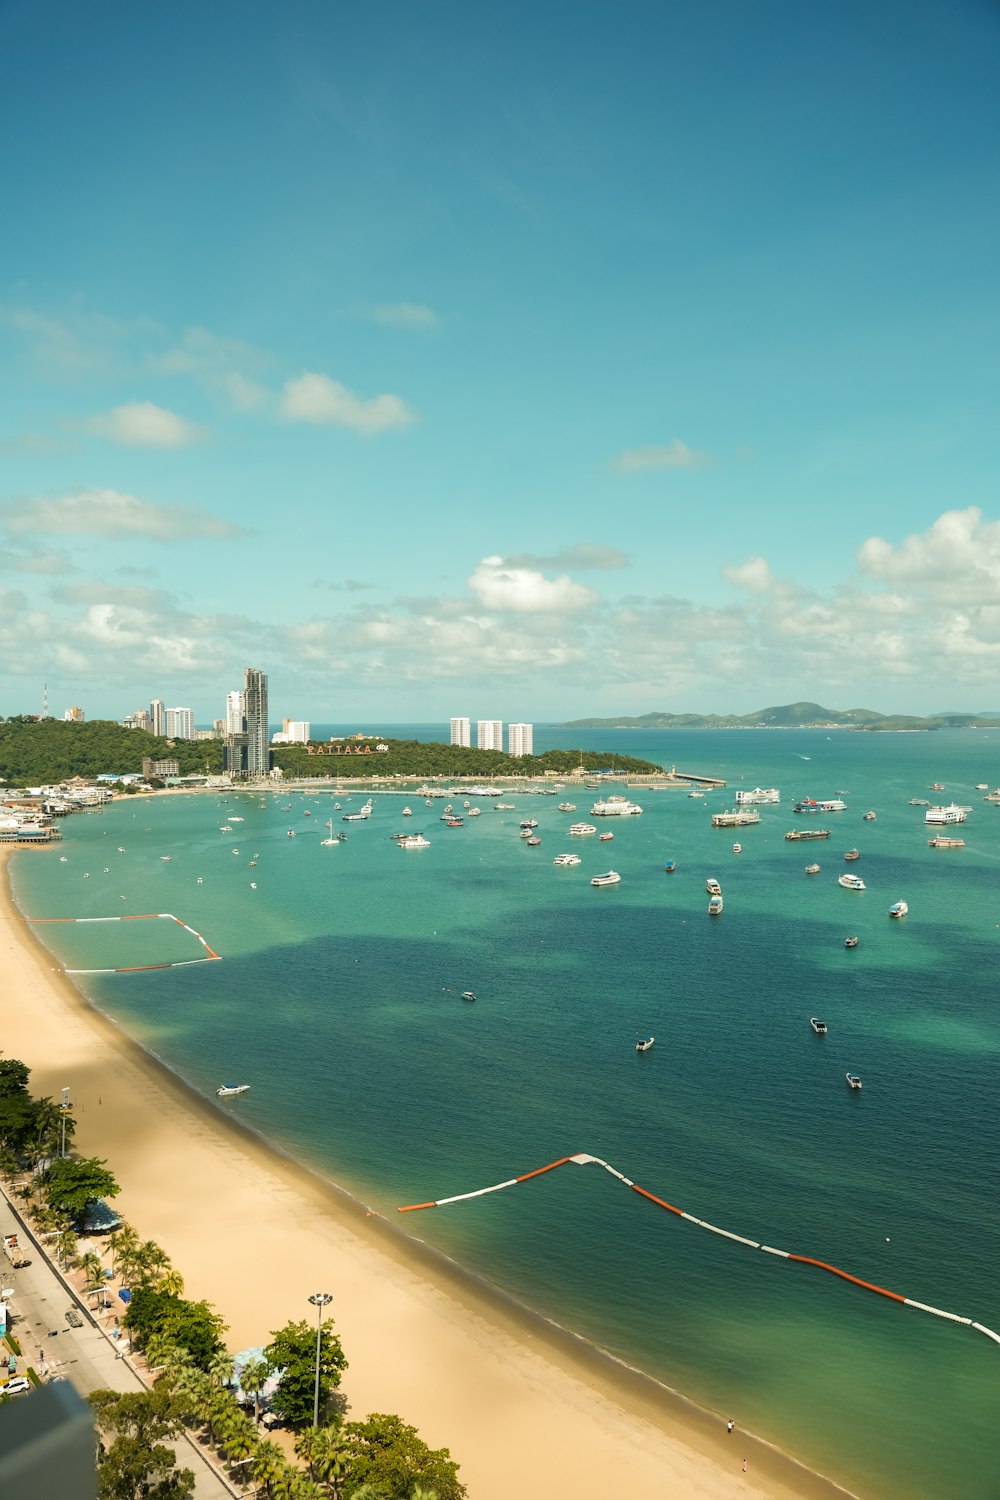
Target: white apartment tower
[461, 733]
[157, 723]
[234, 713]
[179, 723]
[520, 739]
[489, 734]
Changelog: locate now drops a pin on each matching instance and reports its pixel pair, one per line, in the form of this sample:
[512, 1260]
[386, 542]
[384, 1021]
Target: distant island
[792, 716]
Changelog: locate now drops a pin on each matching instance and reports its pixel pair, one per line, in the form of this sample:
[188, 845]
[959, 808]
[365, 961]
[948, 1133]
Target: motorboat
[898, 909]
[611, 877]
[670, 867]
[604, 837]
[407, 812]
[713, 887]
[645, 1044]
[413, 841]
[361, 816]
[468, 995]
[566, 859]
[851, 882]
[812, 869]
[715, 906]
[737, 848]
[919, 802]
[533, 841]
[454, 822]
[695, 793]
[853, 1081]
[852, 854]
[529, 823]
[567, 807]
[820, 1027]
[227, 1090]
[475, 812]
[869, 816]
[580, 829]
[850, 942]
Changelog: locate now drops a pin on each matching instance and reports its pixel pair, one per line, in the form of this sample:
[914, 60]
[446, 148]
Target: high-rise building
[489, 734]
[520, 739]
[234, 713]
[255, 714]
[156, 716]
[461, 733]
[179, 723]
[139, 720]
[74, 716]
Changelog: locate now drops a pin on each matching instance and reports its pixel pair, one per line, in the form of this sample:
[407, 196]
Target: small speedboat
[820, 1027]
[850, 942]
[737, 848]
[227, 1090]
[468, 995]
[853, 1081]
[869, 817]
[645, 1044]
[715, 906]
[670, 867]
[604, 837]
[898, 909]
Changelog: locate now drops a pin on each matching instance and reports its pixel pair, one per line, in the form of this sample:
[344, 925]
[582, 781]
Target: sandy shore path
[523, 1411]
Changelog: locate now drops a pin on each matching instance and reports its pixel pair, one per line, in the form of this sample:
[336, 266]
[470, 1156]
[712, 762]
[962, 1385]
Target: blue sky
[526, 362]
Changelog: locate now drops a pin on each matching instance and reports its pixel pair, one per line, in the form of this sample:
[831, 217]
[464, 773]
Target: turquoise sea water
[337, 999]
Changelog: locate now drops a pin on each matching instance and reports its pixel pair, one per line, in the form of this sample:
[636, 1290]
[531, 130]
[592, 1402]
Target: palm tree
[172, 1282]
[66, 1247]
[266, 1464]
[329, 1458]
[239, 1436]
[93, 1273]
[150, 1263]
[253, 1378]
[124, 1244]
[221, 1367]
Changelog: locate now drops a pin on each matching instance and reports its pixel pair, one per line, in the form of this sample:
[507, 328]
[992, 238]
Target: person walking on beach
[744, 1466]
[729, 1426]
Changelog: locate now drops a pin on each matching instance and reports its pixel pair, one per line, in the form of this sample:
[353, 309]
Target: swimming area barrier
[583, 1158]
[145, 916]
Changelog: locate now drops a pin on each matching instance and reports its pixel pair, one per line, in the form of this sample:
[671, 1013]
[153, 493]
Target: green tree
[292, 1350]
[253, 1377]
[134, 1462]
[194, 1326]
[326, 1452]
[390, 1455]
[93, 1273]
[70, 1183]
[266, 1464]
[124, 1243]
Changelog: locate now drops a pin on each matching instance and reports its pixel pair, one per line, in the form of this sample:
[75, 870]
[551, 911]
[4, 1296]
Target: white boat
[604, 837]
[567, 807]
[851, 882]
[713, 887]
[645, 1044]
[468, 995]
[334, 838]
[737, 848]
[234, 819]
[533, 840]
[612, 877]
[225, 828]
[530, 823]
[407, 812]
[950, 814]
[475, 812]
[503, 806]
[853, 1081]
[226, 1090]
[361, 816]
[763, 795]
[898, 909]
[413, 841]
[812, 869]
[579, 829]
[566, 859]
[615, 807]
[870, 817]
[695, 793]
[820, 1027]
[715, 906]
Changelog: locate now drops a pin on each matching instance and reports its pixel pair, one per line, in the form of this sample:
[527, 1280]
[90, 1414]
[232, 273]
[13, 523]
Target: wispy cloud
[675, 455]
[584, 557]
[141, 424]
[35, 562]
[109, 513]
[326, 402]
[341, 586]
[413, 315]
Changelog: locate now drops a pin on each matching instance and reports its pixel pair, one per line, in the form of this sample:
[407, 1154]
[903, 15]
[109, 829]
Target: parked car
[15, 1387]
[73, 1318]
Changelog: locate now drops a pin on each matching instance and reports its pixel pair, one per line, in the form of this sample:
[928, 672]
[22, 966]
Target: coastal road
[87, 1356]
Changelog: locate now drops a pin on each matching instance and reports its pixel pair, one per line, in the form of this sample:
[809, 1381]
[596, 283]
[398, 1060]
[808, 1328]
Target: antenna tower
[45, 700]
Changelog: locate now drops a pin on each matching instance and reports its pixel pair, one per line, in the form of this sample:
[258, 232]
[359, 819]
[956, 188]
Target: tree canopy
[390, 1456]
[134, 1462]
[70, 1183]
[41, 752]
[194, 1326]
[418, 758]
[292, 1350]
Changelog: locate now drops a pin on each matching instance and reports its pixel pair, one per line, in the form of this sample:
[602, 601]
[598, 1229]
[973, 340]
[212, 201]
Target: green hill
[787, 716]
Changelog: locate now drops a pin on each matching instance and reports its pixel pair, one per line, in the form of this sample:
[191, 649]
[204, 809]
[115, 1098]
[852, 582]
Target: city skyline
[669, 387]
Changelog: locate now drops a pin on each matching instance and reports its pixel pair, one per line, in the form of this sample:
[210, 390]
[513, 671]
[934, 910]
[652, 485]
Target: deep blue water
[337, 999]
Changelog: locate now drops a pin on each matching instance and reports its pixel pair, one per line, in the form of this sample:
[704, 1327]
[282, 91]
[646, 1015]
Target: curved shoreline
[464, 1361]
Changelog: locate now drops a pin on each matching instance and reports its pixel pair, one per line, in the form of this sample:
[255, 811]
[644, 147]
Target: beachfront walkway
[86, 1355]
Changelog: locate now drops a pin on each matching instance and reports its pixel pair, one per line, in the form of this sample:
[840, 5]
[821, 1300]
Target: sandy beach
[523, 1408]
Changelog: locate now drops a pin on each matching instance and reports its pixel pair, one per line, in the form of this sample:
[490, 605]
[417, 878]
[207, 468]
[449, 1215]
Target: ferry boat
[808, 833]
[361, 816]
[580, 829]
[812, 869]
[851, 882]
[645, 1044]
[611, 877]
[567, 807]
[615, 807]
[950, 814]
[566, 859]
[852, 854]
[227, 1090]
[713, 887]
[762, 795]
[715, 906]
[743, 817]
[853, 1081]
[820, 1027]
[828, 805]
[413, 841]
[898, 909]
[941, 842]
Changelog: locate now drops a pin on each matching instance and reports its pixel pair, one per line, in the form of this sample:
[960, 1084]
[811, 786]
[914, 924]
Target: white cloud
[405, 315]
[319, 399]
[500, 586]
[109, 513]
[35, 562]
[141, 424]
[675, 455]
[585, 556]
[957, 559]
[754, 575]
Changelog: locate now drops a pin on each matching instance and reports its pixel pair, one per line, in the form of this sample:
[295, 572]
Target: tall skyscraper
[179, 723]
[461, 733]
[234, 713]
[255, 713]
[489, 734]
[157, 723]
[520, 739]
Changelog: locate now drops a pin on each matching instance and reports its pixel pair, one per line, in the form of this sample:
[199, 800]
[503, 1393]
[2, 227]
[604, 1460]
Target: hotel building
[520, 739]
[461, 733]
[489, 734]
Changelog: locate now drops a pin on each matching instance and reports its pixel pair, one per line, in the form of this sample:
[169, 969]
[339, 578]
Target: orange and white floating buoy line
[583, 1158]
[145, 916]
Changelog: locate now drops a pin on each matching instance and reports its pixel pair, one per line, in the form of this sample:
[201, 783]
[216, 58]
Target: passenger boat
[827, 805]
[812, 869]
[898, 909]
[604, 837]
[715, 906]
[361, 816]
[919, 802]
[852, 854]
[567, 807]
[566, 859]
[580, 829]
[869, 816]
[850, 942]
[645, 1044]
[503, 806]
[713, 887]
[851, 882]
[530, 823]
[227, 1090]
[950, 814]
[737, 848]
[807, 833]
[941, 842]
[611, 877]
[413, 841]
[615, 807]
[820, 1027]
[764, 795]
[853, 1081]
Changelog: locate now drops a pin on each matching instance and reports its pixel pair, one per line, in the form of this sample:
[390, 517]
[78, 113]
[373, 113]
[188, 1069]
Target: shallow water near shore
[337, 999]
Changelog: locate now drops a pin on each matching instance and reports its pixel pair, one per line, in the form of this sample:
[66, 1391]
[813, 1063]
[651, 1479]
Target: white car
[16, 1387]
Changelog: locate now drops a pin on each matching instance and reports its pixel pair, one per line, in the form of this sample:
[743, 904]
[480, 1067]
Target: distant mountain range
[792, 716]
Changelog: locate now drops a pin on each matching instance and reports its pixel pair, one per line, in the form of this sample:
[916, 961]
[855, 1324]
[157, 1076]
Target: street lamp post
[319, 1300]
[65, 1108]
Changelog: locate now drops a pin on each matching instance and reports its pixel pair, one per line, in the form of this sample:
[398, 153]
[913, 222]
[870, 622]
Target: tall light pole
[65, 1109]
[319, 1300]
